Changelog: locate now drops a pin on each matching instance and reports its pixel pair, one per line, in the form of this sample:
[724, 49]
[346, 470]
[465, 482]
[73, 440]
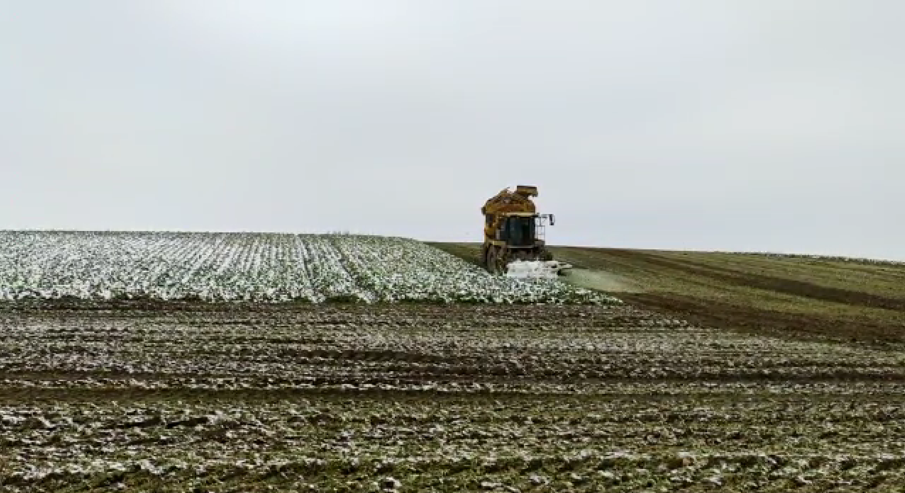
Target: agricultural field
[252, 267]
[782, 295]
[244, 363]
[420, 397]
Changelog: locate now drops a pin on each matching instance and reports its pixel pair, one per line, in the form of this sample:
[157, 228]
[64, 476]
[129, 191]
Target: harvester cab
[515, 232]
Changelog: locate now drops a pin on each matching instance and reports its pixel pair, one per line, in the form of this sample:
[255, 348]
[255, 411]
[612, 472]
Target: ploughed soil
[427, 397]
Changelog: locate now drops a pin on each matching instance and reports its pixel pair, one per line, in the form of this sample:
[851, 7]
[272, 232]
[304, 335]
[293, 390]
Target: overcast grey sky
[734, 125]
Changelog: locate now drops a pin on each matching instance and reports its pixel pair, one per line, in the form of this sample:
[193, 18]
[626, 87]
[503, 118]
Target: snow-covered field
[254, 267]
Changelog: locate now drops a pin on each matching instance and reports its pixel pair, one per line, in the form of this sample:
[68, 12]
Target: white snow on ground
[539, 269]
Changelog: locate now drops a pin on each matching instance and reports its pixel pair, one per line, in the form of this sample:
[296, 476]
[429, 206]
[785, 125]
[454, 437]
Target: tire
[501, 261]
[492, 261]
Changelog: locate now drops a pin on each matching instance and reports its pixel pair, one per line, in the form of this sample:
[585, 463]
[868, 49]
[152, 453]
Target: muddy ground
[435, 398]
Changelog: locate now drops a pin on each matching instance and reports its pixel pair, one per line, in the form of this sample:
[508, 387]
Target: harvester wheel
[502, 260]
[492, 261]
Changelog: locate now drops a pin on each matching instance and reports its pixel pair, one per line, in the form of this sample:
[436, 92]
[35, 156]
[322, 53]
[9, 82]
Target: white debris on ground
[521, 269]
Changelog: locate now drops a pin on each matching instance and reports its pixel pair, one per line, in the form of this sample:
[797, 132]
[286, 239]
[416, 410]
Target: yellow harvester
[513, 230]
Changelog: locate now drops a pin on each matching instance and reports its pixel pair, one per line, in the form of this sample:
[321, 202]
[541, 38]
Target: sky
[767, 125]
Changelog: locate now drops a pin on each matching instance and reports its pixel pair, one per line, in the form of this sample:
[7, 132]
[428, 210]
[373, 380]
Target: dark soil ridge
[788, 286]
[731, 291]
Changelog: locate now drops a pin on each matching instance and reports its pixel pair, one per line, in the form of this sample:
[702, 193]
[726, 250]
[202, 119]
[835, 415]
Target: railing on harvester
[540, 226]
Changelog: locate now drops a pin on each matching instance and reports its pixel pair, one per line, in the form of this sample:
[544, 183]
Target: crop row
[253, 267]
